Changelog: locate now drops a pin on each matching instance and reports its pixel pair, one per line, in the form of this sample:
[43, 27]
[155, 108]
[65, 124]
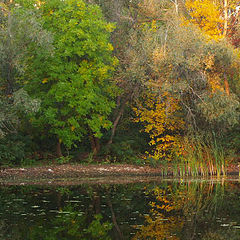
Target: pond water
[160, 209]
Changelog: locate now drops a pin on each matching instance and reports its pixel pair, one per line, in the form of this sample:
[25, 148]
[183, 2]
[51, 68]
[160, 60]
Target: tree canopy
[142, 79]
[73, 82]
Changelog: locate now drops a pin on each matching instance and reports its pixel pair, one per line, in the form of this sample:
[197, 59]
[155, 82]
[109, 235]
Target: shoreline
[78, 173]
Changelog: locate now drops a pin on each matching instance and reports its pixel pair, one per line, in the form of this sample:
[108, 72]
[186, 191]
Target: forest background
[129, 81]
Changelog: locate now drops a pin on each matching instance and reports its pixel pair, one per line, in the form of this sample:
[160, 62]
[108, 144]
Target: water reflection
[163, 220]
[161, 210]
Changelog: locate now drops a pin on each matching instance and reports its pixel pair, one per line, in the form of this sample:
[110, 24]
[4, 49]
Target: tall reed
[202, 155]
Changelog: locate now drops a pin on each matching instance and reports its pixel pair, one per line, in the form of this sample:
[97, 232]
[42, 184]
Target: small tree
[162, 121]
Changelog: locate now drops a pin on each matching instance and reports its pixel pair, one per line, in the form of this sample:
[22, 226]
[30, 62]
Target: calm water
[160, 209]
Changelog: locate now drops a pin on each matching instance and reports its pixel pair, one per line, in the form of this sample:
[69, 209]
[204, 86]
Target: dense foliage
[122, 80]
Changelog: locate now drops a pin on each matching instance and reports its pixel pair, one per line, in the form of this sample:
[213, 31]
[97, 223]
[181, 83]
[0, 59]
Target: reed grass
[203, 156]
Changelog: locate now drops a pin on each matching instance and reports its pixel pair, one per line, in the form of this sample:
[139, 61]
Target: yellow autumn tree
[161, 120]
[215, 18]
[206, 14]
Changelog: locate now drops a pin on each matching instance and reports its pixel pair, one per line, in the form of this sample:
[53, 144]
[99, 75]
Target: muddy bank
[69, 174]
[81, 171]
[77, 173]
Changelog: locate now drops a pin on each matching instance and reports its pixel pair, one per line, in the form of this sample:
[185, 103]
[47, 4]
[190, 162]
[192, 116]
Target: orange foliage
[159, 114]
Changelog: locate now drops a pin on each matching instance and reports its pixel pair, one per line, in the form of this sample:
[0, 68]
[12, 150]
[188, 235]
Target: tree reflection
[69, 224]
[167, 210]
[191, 210]
[162, 222]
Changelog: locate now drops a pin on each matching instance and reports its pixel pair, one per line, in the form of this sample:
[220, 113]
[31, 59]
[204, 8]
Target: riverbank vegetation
[118, 81]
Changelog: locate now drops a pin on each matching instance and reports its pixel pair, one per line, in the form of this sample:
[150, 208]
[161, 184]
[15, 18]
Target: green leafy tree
[73, 83]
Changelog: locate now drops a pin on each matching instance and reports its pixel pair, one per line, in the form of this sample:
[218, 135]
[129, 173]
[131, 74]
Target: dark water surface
[159, 209]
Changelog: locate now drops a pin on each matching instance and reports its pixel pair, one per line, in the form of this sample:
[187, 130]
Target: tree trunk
[120, 234]
[97, 202]
[176, 7]
[226, 85]
[95, 144]
[225, 10]
[117, 118]
[58, 149]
